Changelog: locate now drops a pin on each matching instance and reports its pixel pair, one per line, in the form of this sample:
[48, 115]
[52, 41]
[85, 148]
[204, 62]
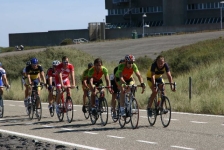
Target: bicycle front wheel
[152, 119]
[38, 108]
[103, 108]
[115, 116]
[134, 111]
[165, 111]
[1, 108]
[69, 109]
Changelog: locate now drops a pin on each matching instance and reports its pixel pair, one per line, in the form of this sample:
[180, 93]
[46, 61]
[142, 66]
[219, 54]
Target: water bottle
[96, 102]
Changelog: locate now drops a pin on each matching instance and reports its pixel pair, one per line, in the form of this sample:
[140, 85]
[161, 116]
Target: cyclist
[64, 72]
[115, 89]
[95, 74]
[124, 76]
[50, 78]
[35, 74]
[3, 81]
[85, 87]
[24, 77]
[154, 74]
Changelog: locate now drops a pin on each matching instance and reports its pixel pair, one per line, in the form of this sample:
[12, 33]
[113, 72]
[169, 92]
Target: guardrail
[80, 40]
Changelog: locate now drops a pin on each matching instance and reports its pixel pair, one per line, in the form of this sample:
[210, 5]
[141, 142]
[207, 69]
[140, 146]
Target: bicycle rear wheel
[31, 108]
[134, 111]
[152, 119]
[116, 110]
[87, 107]
[103, 108]
[38, 108]
[53, 107]
[69, 109]
[165, 111]
[93, 118]
[60, 114]
[1, 108]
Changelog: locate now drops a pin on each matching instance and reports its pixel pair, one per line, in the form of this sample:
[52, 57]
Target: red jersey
[51, 73]
[65, 72]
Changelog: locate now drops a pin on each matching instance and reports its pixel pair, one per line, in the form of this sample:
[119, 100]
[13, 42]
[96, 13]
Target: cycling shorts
[158, 80]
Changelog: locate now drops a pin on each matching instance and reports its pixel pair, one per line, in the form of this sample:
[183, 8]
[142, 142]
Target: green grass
[201, 61]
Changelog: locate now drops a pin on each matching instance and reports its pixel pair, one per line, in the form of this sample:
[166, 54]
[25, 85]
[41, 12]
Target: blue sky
[24, 16]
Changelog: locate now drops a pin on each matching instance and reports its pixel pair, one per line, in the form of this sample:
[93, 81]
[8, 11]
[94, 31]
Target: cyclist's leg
[85, 91]
[122, 95]
[114, 96]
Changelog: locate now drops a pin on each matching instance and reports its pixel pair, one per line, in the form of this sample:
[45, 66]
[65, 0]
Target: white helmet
[55, 62]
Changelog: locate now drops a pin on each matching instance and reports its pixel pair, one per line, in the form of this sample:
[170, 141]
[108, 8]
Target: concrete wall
[49, 38]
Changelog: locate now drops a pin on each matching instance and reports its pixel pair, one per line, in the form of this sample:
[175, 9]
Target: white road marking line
[67, 129]
[50, 140]
[91, 132]
[48, 126]
[180, 147]
[147, 117]
[223, 124]
[118, 137]
[146, 142]
[198, 122]
[29, 123]
[11, 105]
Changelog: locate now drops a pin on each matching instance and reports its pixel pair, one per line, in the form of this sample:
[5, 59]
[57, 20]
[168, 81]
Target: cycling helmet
[90, 65]
[34, 61]
[121, 61]
[28, 63]
[55, 62]
[129, 58]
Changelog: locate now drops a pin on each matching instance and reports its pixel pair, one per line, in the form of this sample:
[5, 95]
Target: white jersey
[2, 73]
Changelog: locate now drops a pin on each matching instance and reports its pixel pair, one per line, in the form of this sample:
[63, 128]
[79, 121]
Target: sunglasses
[130, 62]
[65, 62]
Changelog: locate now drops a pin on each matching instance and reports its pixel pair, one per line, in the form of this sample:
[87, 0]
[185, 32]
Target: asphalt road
[186, 131]
[116, 49]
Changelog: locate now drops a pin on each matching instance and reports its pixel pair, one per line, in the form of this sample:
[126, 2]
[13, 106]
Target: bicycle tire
[165, 112]
[117, 106]
[122, 120]
[87, 107]
[31, 108]
[2, 108]
[38, 108]
[61, 114]
[152, 119]
[103, 108]
[93, 118]
[134, 111]
[53, 107]
[69, 109]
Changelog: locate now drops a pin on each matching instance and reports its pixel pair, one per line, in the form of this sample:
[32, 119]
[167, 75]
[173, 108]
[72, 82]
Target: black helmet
[90, 65]
[121, 61]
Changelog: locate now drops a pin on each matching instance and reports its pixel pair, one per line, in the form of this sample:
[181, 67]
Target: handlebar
[131, 86]
[174, 84]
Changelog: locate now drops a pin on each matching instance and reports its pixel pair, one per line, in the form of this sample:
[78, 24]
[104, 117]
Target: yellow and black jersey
[33, 72]
[158, 72]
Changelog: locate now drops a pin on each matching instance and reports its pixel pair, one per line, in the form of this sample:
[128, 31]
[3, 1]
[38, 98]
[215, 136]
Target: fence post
[190, 88]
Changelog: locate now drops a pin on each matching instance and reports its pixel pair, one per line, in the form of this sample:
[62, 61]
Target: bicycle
[2, 104]
[34, 103]
[87, 105]
[161, 106]
[66, 106]
[101, 107]
[131, 107]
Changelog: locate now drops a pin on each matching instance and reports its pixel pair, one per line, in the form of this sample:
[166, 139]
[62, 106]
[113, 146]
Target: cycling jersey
[126, 73]
[84, 75]
[158, 72]
[2, 73]
[33, 72]
[92, 73]
[65, 72]
[51, 73]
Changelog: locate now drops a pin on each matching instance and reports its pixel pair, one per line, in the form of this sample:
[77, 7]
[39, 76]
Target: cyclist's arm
[73, 78]
[43, 77]
[5, 81]
[153, 79]
[29, 80]
[169, 76]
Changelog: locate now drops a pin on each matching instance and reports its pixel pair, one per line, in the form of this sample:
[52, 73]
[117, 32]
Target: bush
[66, 42]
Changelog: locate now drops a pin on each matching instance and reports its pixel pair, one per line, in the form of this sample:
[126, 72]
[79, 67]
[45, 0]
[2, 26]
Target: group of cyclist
[59, 75]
